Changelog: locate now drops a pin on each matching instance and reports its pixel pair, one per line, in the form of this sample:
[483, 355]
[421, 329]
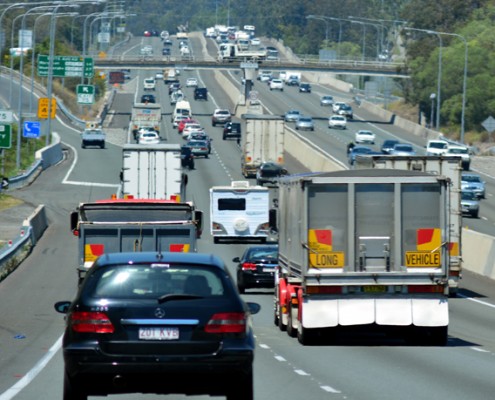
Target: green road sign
[67, 66]
[85, 94]
[5, 136]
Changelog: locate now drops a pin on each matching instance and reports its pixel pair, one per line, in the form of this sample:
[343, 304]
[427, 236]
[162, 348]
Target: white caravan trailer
[239, 213]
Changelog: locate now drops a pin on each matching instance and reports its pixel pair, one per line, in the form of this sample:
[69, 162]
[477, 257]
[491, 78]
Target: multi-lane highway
[360, 366]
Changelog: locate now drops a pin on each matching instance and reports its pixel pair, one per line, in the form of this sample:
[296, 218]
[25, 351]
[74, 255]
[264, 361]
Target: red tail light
[91, 322]
[249, 266]
[226, 323]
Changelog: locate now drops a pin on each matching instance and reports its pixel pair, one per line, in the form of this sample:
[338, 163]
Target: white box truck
[263, 141]
[145, 115]
[152, 172]
[363, 249]
[239, 213]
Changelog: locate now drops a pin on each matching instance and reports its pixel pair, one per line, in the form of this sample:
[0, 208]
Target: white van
[182, 107]
[149, 84]
[239, 213]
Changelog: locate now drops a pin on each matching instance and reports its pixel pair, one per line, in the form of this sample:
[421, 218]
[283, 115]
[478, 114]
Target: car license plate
[155, 333]
[374, 289]
[268, 269]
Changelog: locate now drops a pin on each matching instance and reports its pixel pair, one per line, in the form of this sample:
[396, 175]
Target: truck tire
[83, 145]
[241, 288]
[305, 336]
[102, 145]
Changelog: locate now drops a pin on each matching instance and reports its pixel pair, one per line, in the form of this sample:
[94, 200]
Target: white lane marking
[301, 372]
[477, 301]
[480, 350]
[32, 373]
[264, 346]
[330, 389]
[280, 358]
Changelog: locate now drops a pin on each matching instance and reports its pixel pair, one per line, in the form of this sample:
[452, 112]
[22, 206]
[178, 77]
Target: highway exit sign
[85, 94]
[5, 136]
[66, 66]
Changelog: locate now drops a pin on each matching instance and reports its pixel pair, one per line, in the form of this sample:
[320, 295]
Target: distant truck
[262, 141]
[448, 166]
[363, 249]
[239, 213]
[170, 76]
[121, 225]
[145, 115]
[93, 135]
[233, 52]
[152, 172]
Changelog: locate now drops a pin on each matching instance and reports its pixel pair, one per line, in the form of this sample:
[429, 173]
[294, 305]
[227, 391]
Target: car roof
[163, 257]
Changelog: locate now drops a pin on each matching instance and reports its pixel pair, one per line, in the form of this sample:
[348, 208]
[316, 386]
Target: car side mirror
[254, 308]
[236, 259]
[62, 306]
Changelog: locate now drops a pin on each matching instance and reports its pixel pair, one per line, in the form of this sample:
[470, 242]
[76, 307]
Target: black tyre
[305, 336]
[213, 124]
[224, 137]
[241, 288]
[242, 389]
[73, 391]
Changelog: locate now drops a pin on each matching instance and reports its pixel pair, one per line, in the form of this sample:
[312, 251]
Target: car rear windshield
[151, 281]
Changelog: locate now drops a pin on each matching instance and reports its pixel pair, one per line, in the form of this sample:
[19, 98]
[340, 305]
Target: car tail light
[90, 322]
[249, 266]
[227, 323]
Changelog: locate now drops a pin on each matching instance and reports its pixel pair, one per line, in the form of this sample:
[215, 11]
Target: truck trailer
[449, 166]
[152, 172]
[235, 52]
[364, 249]
[145, 115]
[263, 141]
[122, 225]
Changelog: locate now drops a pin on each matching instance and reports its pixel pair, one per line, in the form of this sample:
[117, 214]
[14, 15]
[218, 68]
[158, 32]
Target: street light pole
[364, 36]
[439, 78]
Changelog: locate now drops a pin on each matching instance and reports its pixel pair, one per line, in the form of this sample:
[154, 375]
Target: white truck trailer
[145, 115]
[239, 213]
[263, 141]
[234, 52]
[152, 172]
[363, 249]
[449, 166]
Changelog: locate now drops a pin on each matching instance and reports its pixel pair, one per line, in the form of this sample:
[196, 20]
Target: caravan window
[231, 204]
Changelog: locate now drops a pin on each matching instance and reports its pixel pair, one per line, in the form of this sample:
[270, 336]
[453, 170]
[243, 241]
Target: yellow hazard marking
[423, 259]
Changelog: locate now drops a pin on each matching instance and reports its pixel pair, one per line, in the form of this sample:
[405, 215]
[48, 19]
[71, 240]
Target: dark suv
[200, 94]
[232, 129]
[146, 322]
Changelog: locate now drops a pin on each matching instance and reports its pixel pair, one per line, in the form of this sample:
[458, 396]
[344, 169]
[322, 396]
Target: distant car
[256, 267]
[326, 100]
[167, 42]
[359, 150]
[388, 145]
[305, 87]
[159, 75]
[403, 149]
[190, 127]
[191, 82]
[470, 204]
[149, 84]
[292, 115]
[473, 183]
[269, 172]
[277, 84]
[166, 51]
[337, 121]
[178, 119]
[231, 129]
[149, 137]
[148, 98]
[265, 77]
[143, 315]
[364, 136]
[255, 42]
[201, 135]
[173, 87]
[185, 121]
[436, 147]
[293, 81]
[336, 106]
[305, 123]
[220, 117]
[346, 111]
[463, 153]
[199, 148]
[200, 93]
